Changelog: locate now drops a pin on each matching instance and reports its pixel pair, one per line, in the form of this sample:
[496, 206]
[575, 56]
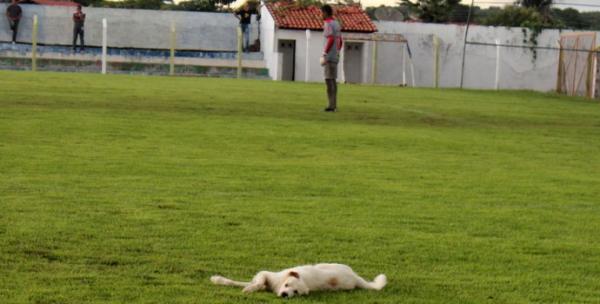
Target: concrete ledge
[86, 66]
[193, 58]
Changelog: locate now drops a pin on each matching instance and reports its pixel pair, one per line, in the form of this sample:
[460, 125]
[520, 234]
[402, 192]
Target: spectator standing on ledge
[78, 22]
[245, 17]
[13, 13]
[331, 55]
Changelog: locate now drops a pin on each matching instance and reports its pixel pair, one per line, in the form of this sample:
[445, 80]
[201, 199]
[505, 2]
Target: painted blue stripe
[23, 49]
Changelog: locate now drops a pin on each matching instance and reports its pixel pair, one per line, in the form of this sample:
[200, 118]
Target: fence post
[436, 60]
[591, 73]
[239, 51]
[559, 79]
[464, 51]
[374, 63]
[34, 39]
[341, 62]
[173, 43]
[497, 64]
[593, 64]
[412, 66]
[104, 42]
[307, 57]
[404, 65]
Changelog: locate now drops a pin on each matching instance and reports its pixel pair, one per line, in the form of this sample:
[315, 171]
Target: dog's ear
[294, 274]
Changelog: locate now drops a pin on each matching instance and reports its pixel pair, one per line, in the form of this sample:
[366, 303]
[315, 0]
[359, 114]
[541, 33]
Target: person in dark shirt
[78, 22]
[13, 13]
[245, 17]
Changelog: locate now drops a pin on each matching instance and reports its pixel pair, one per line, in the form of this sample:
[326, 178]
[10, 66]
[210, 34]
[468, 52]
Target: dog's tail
[377, 284]
[219, 280]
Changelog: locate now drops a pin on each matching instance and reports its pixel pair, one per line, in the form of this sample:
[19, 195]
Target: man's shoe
[330, 109]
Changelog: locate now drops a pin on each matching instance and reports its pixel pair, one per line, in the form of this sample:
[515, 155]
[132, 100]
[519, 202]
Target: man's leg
[328, 86]
[243, 28]
[331, 81]
[81, 32]
[334, 94]
[75, 32]
[14, 25]
[247, 37]
[331, 93]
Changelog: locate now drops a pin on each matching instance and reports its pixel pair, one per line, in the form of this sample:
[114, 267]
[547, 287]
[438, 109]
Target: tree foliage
[517, 16]
[536, 4]
[196, 5]
[542, 6]
[188, 5]
[140, 4]
[570, 18]
[526, 17]
[435, 11]
[593, 19]
[526, 14]
[93, 3]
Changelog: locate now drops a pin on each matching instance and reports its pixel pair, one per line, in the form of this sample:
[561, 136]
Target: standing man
[329, 60]
[13, 13]
[245, 16]
[78, 22]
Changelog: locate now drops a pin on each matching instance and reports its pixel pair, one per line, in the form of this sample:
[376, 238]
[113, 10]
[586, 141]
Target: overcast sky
[486, 3]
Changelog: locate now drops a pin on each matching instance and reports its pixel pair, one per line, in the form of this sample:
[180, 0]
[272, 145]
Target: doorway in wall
[287, 48]
[353, 62]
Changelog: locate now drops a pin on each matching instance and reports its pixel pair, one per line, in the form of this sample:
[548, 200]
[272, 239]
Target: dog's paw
[250, 288]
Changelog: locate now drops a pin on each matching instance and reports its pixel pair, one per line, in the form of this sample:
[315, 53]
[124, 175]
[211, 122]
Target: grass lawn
[120, 189]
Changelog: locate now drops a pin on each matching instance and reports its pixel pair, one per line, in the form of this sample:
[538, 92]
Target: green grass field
[120, 189]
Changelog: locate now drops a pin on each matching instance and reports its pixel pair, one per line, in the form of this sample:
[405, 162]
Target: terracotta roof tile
[288, 15]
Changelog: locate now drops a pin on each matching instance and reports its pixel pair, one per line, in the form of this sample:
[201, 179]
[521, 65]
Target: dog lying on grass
[303, 279]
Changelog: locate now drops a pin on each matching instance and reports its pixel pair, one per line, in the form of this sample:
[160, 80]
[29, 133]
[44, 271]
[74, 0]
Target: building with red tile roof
[289, 15]
[292, 41]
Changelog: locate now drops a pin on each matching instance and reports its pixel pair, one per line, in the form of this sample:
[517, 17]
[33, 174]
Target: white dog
[303, 279]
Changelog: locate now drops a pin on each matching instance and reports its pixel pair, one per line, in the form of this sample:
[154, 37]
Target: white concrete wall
[390, 64]
[519, 69]
[300, 60]
[149, 29]
[267, 42]
[314, 49]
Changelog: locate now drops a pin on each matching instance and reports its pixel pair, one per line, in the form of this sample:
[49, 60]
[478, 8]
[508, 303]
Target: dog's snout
[284, 294]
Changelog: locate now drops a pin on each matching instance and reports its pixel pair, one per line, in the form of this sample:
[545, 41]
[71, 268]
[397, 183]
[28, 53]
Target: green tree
[515, 16]
[481, 15]
[593, 19]
[537, 4]
[527, 18]
[436, 11]
[93, 3]
[570, 18]
[542, 6]
[460, 13]
[197, 6]
[139, 4]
